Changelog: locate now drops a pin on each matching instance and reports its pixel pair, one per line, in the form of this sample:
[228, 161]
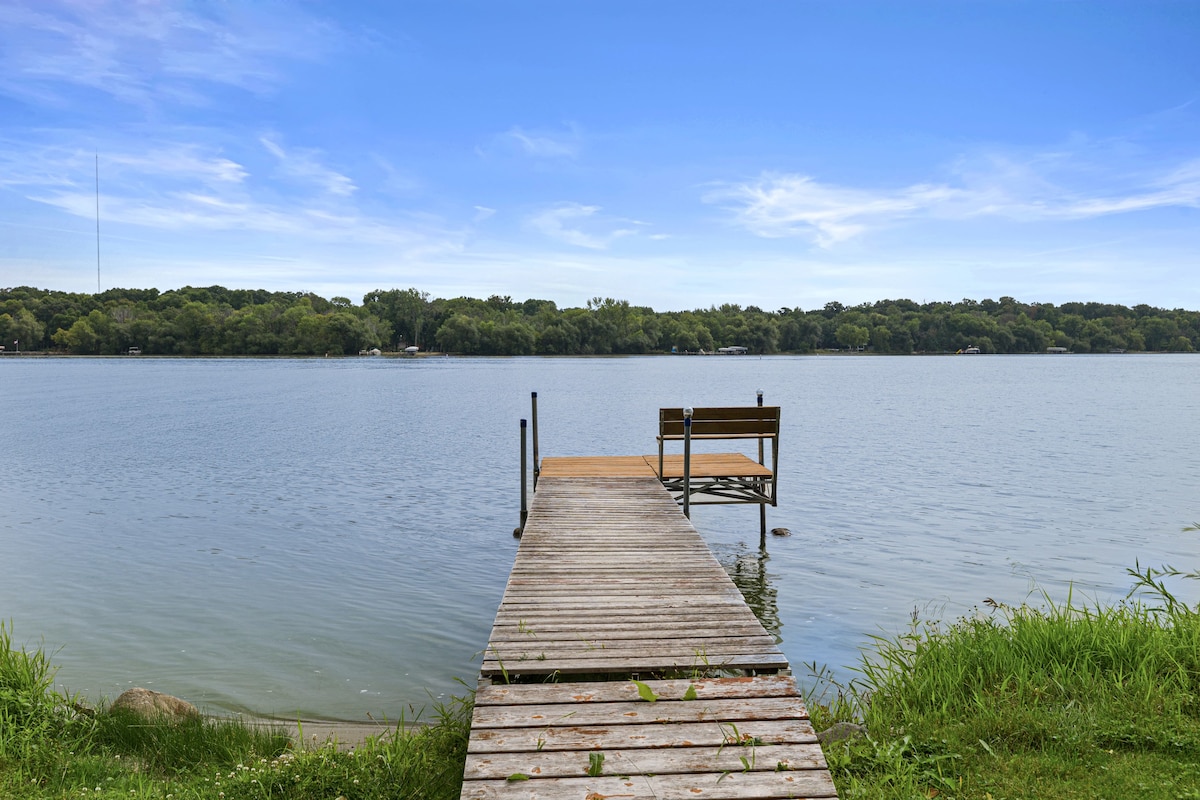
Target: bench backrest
[729, 422]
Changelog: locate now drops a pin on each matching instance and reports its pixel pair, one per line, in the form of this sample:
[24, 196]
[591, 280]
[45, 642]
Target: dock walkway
[624, 663]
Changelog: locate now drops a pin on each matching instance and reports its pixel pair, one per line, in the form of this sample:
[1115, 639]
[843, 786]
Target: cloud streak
[186, 187]
[305, 166]
[146, 53]
[791, 205]
[545, 145]
[579, 225]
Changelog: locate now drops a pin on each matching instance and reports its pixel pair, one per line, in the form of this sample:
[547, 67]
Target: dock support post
[687, 462]
[524, 480]
[537, 469]
[762, 507]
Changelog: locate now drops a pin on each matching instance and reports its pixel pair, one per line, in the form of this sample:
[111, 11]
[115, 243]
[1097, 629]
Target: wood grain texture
[612, 582]
[610, 577]
[734, 738]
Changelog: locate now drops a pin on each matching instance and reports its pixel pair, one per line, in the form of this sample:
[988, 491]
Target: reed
[1046, 700]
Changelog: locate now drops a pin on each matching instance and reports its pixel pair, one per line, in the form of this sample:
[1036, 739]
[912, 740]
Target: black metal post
[762, 507]
[687, 462]
[537, 464]
[524, 480]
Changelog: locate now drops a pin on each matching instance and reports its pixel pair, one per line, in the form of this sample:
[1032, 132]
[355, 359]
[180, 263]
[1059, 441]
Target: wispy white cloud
[44, 165]
[1180, 187]
[539, 145]
[395, 181]
[191, 187]
[304, 165]
[186, 161]
[143, 53]
[544, 144]
[791, 205]
[776, 206]
[580, 225]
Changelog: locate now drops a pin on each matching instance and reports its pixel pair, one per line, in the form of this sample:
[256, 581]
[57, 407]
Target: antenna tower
[97, 223]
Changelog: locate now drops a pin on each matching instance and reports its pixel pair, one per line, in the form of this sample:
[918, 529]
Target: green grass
[51, 746]
[1057, 700]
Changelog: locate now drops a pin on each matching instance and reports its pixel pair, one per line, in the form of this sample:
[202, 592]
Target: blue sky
[674, 154]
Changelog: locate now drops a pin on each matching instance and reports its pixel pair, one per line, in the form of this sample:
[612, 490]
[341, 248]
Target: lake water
[330, 538]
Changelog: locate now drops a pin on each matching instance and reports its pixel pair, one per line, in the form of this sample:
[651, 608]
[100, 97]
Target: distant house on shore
[1057, 350]
[736, 350]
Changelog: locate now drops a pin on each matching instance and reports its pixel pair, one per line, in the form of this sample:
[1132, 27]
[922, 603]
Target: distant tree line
[220, 321]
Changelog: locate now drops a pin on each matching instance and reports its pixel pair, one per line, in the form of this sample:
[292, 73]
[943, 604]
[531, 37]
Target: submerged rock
[840, 731]
[149, 703]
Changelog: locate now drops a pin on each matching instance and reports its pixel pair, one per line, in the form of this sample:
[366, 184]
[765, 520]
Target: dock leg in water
[524, 480]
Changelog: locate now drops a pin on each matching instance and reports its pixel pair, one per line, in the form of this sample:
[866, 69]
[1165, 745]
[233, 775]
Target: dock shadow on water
[747, 568]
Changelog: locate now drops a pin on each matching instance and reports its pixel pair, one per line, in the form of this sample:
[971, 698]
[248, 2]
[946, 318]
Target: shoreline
[313, 734]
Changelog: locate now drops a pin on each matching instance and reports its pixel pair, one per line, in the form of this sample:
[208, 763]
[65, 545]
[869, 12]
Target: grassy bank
[1046, 701]
[51, 746]
[1052, 701]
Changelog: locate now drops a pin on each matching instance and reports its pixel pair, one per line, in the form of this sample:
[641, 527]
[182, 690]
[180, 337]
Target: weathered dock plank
[548, 738]
[731, 738]
[703, 689]
[573, 764]
[616, 550]
[611, 582]
[596, 466]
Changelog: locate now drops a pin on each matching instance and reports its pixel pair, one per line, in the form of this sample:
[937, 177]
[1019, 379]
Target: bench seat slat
[722, 413]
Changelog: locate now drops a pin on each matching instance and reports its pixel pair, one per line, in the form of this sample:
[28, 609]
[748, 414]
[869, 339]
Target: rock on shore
[148, 703]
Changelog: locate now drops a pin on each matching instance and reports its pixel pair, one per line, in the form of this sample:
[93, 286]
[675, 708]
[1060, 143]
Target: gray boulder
[148, 703]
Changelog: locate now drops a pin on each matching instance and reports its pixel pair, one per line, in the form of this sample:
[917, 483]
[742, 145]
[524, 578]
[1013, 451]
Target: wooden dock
[624, 663]
[611, 578]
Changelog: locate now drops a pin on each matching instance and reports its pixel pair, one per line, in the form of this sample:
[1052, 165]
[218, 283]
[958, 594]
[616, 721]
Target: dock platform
[624, 663]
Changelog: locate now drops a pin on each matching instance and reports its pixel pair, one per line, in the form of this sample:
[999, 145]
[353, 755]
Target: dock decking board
[596, 545]
[738, 738]
[612, 582]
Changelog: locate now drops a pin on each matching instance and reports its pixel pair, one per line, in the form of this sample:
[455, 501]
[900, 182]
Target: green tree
[558, 338]
[459, 334]
[406, 311]
[852, 337]
[1158, 332]
[82, 337]
[197, 328]
[23, 327]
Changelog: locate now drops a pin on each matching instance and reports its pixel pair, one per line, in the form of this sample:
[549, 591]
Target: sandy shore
[318, 733]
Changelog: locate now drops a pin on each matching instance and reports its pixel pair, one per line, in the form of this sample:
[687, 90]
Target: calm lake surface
[330, 538]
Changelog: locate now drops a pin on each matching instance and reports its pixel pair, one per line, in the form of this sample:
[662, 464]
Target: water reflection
[748, 570]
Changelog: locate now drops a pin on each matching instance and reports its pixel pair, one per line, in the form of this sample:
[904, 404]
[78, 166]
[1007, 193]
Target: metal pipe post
[687, 462]
[524, 481]
[762, 507]
[760, 441]
[537, 464]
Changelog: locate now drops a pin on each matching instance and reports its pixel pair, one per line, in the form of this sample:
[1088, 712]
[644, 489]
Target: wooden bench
[721, 477]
